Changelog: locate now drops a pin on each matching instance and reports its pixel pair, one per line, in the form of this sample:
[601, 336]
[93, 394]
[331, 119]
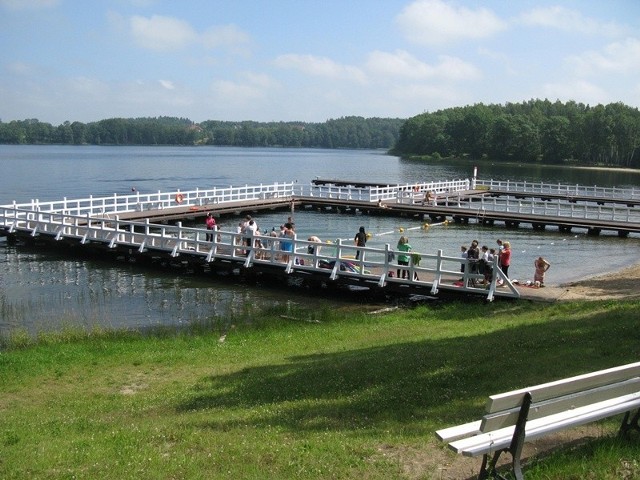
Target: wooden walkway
[148, 228]
[572, 198]
[192, 213]
[463, 207]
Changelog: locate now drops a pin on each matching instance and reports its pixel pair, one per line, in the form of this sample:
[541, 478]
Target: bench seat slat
[499, 439]
[460, 431]
[567, 386]
[503, 419]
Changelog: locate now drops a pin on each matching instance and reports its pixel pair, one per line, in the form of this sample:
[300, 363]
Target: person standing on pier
[505, 258]
[287, 236]
[473, 257]
[210, 222]
[403, 258]
[464, 255]
[360, 240]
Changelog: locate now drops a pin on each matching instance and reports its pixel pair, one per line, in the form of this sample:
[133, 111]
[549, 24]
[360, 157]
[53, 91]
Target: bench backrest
[555, 397]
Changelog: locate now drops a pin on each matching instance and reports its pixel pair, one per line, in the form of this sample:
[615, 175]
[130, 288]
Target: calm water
[43, 291]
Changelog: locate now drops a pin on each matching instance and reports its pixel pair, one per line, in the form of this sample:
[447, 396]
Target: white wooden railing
[561, 189]
[96, 219]
[333, 259]
[115, 204]
[553, 208]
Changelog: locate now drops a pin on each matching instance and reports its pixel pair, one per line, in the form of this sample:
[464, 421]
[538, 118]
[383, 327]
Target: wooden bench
[512, 418]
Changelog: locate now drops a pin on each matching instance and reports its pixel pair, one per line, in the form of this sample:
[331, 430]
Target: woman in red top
[211, 225]
[505, 258]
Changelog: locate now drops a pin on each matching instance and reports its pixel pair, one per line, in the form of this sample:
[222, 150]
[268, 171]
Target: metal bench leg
[517, 469]
[517, 442]
[629, 423]
[488, 467]
[484, 473]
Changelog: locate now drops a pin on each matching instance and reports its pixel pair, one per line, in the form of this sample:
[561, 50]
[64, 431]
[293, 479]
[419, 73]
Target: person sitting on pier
[313, 248]
[429, 198]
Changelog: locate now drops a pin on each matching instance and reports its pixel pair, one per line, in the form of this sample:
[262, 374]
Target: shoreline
[618, 284]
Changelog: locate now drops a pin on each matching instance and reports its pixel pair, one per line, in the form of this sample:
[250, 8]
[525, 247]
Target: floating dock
[147, 228]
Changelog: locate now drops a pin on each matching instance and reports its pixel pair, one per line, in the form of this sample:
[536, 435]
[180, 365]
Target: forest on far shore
[347, 132]
[531, 131]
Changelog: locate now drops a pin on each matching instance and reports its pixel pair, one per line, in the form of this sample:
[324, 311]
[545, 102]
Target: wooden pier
[147, 228]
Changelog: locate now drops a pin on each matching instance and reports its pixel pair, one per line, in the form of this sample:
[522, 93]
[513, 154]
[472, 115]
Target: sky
[309, 60]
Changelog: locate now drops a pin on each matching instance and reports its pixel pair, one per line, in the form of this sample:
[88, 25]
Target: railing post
[179, 241]
[438, 274]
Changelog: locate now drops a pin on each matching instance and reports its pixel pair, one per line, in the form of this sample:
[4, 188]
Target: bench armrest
[460, 431]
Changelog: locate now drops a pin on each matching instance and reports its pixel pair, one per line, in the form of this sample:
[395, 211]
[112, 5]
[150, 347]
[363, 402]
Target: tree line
[346, 132]
[532, 131]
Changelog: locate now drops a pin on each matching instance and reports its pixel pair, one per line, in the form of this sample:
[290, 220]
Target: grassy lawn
[309, 395]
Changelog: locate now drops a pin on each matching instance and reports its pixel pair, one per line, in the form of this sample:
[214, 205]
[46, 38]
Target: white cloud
[167, 84]
[151, 98]
[618, 57]
[398, 64]
[500, 58]
[436, 96]
[403, 64]
[161, 33]
[577, 90]
[235, 91]
[250, 87]
[321, 67]
[564, 19]
[434, 22]
[226, 35]
[260, 80]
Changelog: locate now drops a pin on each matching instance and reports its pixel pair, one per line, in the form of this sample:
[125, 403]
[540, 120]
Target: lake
[42, 291]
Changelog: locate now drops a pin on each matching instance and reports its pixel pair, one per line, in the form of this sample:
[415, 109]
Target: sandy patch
[623, 284]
